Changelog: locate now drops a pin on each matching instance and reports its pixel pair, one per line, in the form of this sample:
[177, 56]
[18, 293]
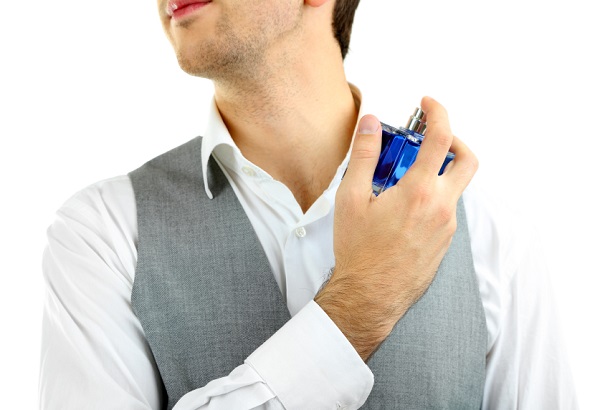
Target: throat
[307, 179]
[300, 143]
[306, 194]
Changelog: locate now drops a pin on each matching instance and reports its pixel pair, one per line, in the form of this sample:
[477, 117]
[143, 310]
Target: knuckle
[446, 215]
[472, 163]
[444, 139]
[365, 150]
[469, 168]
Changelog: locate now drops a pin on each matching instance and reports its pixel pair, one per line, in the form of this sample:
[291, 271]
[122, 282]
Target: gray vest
[206, 297]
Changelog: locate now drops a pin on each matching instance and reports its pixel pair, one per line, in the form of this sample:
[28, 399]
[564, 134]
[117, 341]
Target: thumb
[365, 152]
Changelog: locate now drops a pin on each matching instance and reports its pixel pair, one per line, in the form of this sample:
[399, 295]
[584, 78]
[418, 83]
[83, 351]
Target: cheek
[251, 16]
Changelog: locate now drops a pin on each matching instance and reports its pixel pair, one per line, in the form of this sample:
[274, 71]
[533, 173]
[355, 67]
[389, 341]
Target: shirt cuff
[309, 364]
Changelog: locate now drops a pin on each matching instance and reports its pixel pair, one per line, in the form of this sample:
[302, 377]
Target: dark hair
[343, 17]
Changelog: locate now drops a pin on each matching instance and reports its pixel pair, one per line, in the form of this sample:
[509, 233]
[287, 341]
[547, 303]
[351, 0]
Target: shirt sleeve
[94, 352]
[527, 364]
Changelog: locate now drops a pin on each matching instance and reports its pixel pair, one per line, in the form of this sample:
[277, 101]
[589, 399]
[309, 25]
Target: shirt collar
[216, 134]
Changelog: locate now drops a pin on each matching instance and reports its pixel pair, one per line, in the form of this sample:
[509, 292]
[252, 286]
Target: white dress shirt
[95, 356]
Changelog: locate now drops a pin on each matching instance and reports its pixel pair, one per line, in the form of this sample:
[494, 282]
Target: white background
[90, 90]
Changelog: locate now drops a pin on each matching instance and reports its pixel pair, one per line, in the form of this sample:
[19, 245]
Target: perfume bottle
[399, 149]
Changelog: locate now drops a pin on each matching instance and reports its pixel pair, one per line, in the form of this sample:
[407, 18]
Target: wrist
[365, 321]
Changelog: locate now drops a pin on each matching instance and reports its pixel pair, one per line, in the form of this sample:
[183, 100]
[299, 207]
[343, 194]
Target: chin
[200, 66]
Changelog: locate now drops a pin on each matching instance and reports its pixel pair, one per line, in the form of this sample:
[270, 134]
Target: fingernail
[368, 125]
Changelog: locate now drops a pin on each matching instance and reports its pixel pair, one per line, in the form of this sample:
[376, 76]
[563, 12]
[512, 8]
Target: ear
[316, 3]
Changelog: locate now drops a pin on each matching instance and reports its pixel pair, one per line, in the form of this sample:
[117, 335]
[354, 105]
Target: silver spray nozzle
[416, 123]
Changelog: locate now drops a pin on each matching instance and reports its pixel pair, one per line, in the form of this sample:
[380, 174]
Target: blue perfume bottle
[399, 149]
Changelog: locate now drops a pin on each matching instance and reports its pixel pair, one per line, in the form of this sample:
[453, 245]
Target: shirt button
[300, 232]
[249, 171]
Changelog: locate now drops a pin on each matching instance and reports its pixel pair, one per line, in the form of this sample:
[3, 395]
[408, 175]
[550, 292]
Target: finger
[365, 152]
[436, 144]
[462, 168]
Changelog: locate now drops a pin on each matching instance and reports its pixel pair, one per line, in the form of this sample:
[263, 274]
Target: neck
[292, 120]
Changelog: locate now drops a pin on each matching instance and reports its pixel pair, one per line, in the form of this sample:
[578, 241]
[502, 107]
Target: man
[240, 271]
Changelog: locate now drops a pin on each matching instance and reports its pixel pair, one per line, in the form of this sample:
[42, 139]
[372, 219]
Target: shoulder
[107, 192]
[107, 203]
[99, 223]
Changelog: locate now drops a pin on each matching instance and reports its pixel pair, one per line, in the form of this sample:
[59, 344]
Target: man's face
[218, 39]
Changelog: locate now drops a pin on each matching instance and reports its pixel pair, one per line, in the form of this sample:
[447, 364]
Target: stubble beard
[222, 60]
[236, 59]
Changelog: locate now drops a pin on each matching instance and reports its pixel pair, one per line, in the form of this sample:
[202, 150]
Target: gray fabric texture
[206, 297]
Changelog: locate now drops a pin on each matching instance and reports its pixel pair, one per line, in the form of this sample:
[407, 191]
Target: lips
[178, 8]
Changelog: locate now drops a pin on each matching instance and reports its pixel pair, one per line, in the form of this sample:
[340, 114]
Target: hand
[388, 247]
